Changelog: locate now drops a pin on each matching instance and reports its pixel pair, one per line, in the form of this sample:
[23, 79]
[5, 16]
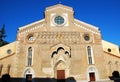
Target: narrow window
[89, 52]
[1, 66]
[8, 71]
[29, 60]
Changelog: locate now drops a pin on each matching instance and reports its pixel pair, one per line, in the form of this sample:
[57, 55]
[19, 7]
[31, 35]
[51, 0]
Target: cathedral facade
[59, 48]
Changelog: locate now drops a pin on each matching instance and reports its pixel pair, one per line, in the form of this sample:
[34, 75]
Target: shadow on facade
[7, 78]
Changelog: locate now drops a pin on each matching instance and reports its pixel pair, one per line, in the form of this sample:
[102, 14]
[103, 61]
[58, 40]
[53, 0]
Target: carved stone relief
[56, 37]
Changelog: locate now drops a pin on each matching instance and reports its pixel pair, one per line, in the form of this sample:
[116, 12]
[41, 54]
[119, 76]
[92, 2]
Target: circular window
[9, 51]
[86, 38]
[59, 20]
[109, 50]
[31, 38]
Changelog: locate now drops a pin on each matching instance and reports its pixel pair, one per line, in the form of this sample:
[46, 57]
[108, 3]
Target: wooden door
[60, 75]
[92, 76]
[28, 78]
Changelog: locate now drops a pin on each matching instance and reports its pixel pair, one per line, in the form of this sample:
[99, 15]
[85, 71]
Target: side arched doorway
[92, 74]
[28, 75]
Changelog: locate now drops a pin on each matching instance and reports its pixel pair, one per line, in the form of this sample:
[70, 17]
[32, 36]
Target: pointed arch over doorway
[28, 75]
[60, 71]
[60, 65]
[60, 61]
[92, 74]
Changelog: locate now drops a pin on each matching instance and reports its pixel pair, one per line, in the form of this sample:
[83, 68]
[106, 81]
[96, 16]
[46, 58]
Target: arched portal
[28, 75]
[92, 74]
[60, 71]
[60, 61]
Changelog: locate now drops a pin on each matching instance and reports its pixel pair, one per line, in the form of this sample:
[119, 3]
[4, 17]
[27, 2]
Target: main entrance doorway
[60, 75]
[28, 78]
[92, 76]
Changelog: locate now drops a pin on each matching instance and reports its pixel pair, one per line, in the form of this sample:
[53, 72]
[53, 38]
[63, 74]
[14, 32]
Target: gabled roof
[94, 27]
[41, 23]
[59, 6]
[37, 22]
[114, 49]
[86, 26]
[114, 55]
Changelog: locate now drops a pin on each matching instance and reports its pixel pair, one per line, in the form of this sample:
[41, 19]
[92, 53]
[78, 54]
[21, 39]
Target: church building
[59, 48]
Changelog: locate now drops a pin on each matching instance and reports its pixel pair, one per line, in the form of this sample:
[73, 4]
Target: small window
[31, 38]
[86, 38]
[9, 51]
[109, 50]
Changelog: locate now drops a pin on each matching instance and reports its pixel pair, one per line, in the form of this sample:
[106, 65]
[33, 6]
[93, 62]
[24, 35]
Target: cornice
[95, 31]
[23, 27]
[31, 27]
[112, 54]
[7, 56]
[59, 6]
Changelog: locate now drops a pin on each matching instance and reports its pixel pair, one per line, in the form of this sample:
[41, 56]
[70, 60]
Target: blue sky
[104, 14]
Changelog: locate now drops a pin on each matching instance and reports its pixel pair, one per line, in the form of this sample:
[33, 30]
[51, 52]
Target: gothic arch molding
[55, 47]
[60, 59]
[55, 50]
[61, 65]
[28, 71]
[92, 69]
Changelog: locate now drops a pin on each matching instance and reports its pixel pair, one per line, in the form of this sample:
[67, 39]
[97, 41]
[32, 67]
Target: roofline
[112, 54]
[87, 24]
[59, 6]
[7, 56]
[20, 28]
